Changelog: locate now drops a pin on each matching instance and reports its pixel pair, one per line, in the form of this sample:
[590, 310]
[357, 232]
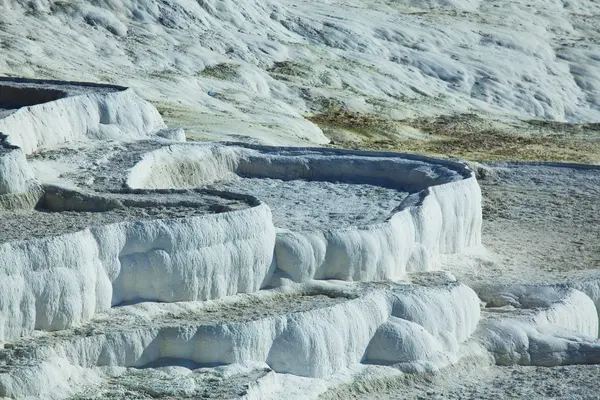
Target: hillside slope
[226, 69]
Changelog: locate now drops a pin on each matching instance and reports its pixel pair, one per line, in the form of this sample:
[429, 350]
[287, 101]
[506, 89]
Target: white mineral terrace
[134, 264]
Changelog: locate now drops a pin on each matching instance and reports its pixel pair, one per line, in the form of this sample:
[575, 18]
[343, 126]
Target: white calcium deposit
[228, 68]
[198, 291]
[120, 114]
[15, 174]
[57, 282]
[443, 215]
[316, 342]
[540, 325]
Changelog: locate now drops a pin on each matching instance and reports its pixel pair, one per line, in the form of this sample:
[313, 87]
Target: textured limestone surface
[134, 265]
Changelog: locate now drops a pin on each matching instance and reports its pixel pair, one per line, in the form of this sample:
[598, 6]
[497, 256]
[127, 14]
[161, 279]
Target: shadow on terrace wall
[22, 92]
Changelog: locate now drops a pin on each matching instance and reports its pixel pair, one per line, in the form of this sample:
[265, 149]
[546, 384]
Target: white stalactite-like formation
[57, 282]
[314, 343]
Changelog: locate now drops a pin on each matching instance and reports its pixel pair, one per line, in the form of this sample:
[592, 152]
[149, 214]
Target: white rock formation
[177, 277]
[185, 166]
[18, 186]
[539, 325]
[316, 342]
[442, 216]
[95, 114]
[269, 62]
[15, 174]
[56, 282]
[176, 135]
[425, 341]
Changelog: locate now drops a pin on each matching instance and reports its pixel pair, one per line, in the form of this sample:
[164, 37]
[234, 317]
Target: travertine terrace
[241, 269]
